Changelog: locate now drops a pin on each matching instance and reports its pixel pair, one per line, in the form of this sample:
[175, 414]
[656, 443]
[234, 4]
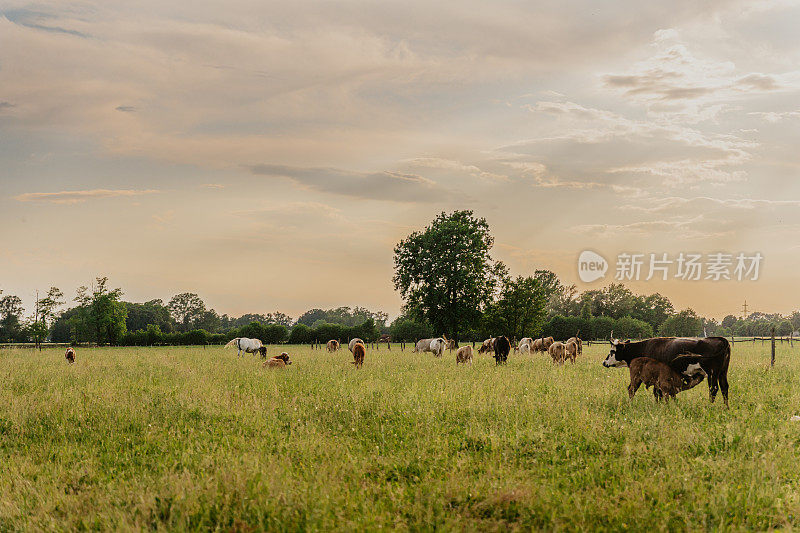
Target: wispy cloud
[388, 186]
[73, 197]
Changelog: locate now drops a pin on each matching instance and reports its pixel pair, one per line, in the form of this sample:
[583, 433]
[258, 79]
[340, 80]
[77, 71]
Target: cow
[487, 346]
[449, 344]
[714, 351]
[70, 355]
[536, 346]
[279, 361]
[661, 376]
[571, 350]
[524, 340]
[524, 348]
[577, 340]
[501, 347]
[248, 346]
[464, 355]
[332, 345]
[353, 342]
[359, 351]
[558, 351]
[436, 346]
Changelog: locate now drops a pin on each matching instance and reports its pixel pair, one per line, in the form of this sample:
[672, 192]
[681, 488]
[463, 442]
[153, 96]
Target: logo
[591, 266]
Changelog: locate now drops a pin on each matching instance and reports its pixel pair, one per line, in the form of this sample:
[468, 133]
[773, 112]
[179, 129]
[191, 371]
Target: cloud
[457, 166]
[213, 186]
[5, 105]
[73, 197]
[387, 186]
[126, 108]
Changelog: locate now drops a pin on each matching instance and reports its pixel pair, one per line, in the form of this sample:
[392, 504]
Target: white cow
[436, 346]
[248, 346]
[525, 348]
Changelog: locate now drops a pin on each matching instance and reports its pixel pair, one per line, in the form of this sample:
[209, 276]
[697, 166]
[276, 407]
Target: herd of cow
[668, 364]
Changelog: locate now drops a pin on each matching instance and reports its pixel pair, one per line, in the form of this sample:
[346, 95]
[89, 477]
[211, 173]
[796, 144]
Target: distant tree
[729, 321]
[186, 309]
[519, 311]
[311, 316]
[784, 328]
[279, 318]
[153, 312]
[405, 329]
[586, 311]
[101, 316]
[11, 310]
[632, 328]
[445, 274]
[301, 334]
[684, 324]
[208, 321]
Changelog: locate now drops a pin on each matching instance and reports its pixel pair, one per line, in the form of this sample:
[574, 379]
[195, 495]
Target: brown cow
[70, 355]
[558, 351]
[279, 361]
[332, 345]
[664, 380]
[464, 355]
[577, 340]
[358, 354]
[571, 350]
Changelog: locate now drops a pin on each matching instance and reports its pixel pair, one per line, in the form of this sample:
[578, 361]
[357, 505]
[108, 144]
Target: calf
[502, 347]
[464, 355]
[279, 361]
[70, 355]
[358, 354]
[664, 380]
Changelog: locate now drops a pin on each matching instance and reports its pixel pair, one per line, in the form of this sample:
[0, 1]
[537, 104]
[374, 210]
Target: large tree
[187, 309]
[445, 273]
[11, 318]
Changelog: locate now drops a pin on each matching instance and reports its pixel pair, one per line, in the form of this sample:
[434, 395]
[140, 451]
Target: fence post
[772, 360]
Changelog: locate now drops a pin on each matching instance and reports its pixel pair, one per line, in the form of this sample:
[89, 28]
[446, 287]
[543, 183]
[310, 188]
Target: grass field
[193, 438]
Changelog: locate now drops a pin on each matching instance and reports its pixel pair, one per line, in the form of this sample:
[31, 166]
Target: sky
[269, 155]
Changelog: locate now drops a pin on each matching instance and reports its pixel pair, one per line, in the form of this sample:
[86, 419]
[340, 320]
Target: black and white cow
[714, 357]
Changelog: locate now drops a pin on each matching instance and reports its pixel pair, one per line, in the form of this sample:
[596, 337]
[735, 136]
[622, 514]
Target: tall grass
[193, 438]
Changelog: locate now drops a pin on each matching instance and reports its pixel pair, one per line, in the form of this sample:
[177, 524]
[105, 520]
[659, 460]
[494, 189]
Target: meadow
[193, 438]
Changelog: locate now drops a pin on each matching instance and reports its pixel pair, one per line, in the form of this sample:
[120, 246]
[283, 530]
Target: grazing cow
[358, 354]
[450, 344]
[714, 351]
[524, 349]
[332, 345]
[577, 340]
[385, 338]
[248, 346]
[487, 346]
[524, 340]
[279, 361]
[436, 346]
[353, 342]
[464, 355]
[571, 350]
[70, 355]
[664, 379]
[537, 346]
[502, 347]
[558, 351]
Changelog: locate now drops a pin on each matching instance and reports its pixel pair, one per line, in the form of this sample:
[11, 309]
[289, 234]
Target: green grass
[193, 438]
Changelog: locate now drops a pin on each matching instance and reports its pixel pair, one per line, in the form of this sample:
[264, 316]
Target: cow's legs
[723, 384]
[713, 386]
[633, 387]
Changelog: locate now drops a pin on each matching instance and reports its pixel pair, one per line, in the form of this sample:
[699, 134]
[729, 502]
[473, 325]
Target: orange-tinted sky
[269, 155]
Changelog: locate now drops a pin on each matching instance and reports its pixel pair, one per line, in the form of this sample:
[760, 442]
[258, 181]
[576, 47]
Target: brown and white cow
[353, 342]
[279, 361]
[577, 340]
[487, 346]
[571, 350]
[332, 345]
[714, 352]
[70, 355]
[359, 351]
[523, 340]
[464, 355]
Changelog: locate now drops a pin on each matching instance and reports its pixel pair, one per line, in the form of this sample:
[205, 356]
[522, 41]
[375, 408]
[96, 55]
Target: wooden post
[772, 361]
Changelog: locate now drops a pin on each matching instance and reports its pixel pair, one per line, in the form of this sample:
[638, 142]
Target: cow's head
[284, 357]
[263, 352]
[616, 355]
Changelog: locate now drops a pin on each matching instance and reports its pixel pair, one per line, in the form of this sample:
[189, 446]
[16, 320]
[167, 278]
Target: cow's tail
[232, 342]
